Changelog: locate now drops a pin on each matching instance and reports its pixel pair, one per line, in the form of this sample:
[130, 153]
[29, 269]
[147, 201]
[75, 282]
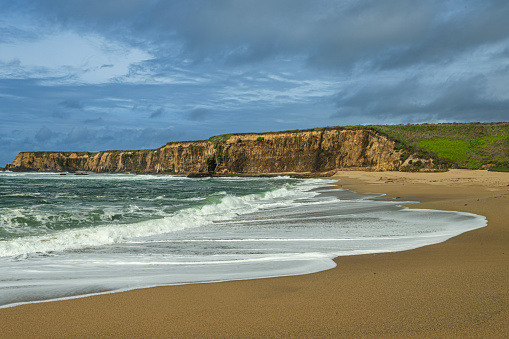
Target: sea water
[67, 236]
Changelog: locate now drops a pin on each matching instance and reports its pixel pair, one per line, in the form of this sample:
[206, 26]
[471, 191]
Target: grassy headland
[472, 145]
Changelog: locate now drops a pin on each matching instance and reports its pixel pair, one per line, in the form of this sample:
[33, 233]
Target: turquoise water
[42, 204]
[65, 236]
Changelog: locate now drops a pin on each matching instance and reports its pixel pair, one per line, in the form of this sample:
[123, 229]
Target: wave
[225, 208]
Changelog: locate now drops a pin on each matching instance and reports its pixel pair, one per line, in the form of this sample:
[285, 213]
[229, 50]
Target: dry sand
[458, 289]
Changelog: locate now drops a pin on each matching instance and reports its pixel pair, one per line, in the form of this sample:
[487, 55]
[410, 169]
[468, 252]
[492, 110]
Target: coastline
[458, 288]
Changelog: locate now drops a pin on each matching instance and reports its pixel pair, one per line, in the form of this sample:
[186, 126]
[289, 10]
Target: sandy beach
[455, 289]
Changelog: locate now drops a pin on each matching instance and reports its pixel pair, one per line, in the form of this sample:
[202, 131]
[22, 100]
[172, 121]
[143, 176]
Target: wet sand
[456, 289]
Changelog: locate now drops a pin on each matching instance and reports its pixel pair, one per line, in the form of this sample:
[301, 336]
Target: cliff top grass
[65, 153]
[39, 154]
[220, 138]
[471, 145]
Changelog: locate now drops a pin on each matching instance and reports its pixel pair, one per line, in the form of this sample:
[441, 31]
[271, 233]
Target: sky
[91, 75]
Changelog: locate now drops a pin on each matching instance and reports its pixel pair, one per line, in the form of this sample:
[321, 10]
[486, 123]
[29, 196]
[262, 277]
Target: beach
[458, 288]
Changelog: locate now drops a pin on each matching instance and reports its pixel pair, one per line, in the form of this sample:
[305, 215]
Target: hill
[471, 145]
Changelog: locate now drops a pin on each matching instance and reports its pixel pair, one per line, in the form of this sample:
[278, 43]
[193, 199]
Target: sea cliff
[306, 151]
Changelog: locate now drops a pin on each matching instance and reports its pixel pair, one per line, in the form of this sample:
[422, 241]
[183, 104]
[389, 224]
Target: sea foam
[72, 239]
[182, 230]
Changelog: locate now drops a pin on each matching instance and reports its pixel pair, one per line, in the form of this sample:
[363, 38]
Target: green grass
[455, 150]
[470, 153]
[488, 140]
[500, 168]
[220, 138]
[39, 154]
[466, 145]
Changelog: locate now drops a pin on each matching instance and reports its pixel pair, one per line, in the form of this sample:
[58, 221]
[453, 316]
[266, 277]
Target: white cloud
[69, 58]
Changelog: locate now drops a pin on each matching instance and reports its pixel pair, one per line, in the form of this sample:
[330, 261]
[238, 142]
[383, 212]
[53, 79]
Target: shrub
[404, 156]
[500, 168]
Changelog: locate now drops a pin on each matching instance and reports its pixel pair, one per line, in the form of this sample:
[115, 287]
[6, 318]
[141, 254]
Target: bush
[404, 156]
[500, 167]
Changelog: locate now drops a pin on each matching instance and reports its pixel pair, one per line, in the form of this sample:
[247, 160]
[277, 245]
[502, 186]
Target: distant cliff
[311, 151]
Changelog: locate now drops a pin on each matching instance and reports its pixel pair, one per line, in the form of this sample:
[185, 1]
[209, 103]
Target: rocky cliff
[311, 151]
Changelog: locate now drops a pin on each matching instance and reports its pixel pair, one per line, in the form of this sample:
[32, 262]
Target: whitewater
[68, 236]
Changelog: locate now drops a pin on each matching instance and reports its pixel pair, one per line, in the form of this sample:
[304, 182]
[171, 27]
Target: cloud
[44, 134]
[73, 104]
[93, 121]
[413, 100]
[108, 138]
[60, 115]
[199, 114]
[11, 34]
[79, 135]
[124, 67]
[392, 33]
[157, 113]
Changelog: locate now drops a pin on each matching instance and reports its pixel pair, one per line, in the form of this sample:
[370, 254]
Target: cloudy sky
[128, 74]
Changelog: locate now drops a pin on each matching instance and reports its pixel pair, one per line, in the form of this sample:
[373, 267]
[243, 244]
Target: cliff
[312, 151]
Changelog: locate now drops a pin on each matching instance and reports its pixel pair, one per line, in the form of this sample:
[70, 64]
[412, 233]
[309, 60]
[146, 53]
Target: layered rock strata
[310, 151]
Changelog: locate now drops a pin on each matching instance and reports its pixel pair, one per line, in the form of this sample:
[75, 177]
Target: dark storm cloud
[60, 115]
[73, 104]
[199, 114]
[442, 41]
[44, 134]
[413, 101]
[338, 34]
[91, 139]
[94, 121]
[157, 113]
[469, 101]
[78, 135]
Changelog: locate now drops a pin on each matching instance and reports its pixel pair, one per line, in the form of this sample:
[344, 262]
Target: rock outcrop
[311, 151]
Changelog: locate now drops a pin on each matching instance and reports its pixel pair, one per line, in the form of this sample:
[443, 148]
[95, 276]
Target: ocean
[68, 236]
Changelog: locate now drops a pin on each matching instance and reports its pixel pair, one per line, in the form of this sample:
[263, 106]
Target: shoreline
[458, 288]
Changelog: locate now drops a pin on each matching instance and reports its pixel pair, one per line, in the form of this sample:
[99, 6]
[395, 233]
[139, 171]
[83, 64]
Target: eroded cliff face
[314, 151]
